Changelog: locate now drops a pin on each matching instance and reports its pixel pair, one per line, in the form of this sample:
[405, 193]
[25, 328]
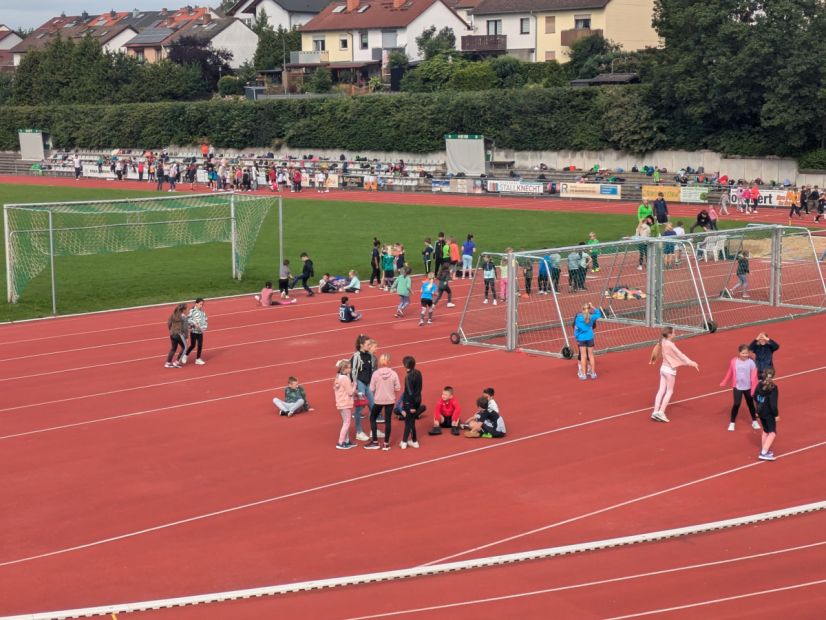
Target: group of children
[183, 325]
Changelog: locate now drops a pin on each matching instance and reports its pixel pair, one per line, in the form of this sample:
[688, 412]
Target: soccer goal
[37, 234]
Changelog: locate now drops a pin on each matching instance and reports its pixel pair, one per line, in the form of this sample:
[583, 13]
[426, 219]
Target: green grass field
[337, 235]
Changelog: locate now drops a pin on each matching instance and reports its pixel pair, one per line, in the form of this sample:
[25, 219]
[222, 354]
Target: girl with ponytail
[672, 358]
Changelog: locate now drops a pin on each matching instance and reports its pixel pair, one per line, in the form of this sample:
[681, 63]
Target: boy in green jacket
[295, 399]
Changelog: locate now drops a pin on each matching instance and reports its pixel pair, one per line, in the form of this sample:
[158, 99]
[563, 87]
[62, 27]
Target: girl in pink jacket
[385, 386]
[742, 378]
[344, 389]
[672, 358]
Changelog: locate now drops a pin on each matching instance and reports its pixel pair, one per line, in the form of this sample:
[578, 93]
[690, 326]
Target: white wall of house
[437, 15]
[10, 41]
[239, 40]
[299, 19]
[512, 28]
[115, 44]
[373, 40]
[278, 16]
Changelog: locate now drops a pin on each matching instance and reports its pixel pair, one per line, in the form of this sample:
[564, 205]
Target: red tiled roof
[379, 14]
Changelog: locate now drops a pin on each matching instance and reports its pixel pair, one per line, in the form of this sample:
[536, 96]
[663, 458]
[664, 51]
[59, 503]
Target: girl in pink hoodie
[344, 389]
[385, 386]
[742, 378]
[672, 358]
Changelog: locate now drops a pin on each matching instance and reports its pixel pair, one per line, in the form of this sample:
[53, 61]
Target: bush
[813, 160]
[230, 85]
[321, 81]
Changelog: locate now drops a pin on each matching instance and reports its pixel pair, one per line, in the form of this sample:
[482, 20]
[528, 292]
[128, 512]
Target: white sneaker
[494, 302]
[731, 426]
[755, 425]
[403, 445]
[639, 268]
[451, 305]
[182, 360]
[199, 362]
[413, 444]
[486, 301]
[362, 436]
[257, 299]
[380, 434]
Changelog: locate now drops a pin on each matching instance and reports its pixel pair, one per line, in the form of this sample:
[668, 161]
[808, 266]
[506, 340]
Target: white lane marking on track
[410, 466]
[291, 337]
[624, 578]
[219, 398]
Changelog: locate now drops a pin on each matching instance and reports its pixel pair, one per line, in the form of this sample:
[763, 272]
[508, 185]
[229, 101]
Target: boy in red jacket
[446, 414]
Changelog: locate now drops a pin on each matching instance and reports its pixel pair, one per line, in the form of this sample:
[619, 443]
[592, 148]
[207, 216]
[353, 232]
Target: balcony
[485, 43]
[575, 34]
[309, 58]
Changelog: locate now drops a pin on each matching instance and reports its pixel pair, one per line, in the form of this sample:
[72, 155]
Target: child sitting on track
[486, 422]
[446, 414]
[346, 312]
[264, 298]
[295, 399]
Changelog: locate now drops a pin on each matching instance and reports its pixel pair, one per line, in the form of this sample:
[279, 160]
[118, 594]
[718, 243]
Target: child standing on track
[503, 277]
[284, 279]
[742, 274]
[197, 326]
[592, 240]
[428, 289]
[762, 350]
[766, 396]
[344, 390]
[489, 274]
[444, 286]
[527, 272]
[672, 358]
[584, 324]
[307, 272]
[468, 250]
[385, 386]
[375, 263]
[388, 265]
[402, 287]
[412, 407]
[363, 365]
[742, 378]
[427, 255]
[178, 330]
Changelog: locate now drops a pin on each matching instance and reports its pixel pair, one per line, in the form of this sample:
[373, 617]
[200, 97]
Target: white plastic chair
[712, 245]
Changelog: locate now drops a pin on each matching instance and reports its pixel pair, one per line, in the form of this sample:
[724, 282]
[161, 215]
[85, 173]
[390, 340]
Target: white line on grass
[393, 470]
[612, 580]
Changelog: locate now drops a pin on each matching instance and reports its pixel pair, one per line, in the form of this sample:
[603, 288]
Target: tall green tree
[432, 43]
[591, 56]
[213, 63]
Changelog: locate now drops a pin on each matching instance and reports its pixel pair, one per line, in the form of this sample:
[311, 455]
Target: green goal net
[37, 234]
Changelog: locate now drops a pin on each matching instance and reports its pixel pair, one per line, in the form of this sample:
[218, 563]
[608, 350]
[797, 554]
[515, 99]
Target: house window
[550, 56]
[389, 39]
[319, 44]
[550, 25]
[494, 26]
[363, 40]
[525, 25]
[582, 22]
[342, 43]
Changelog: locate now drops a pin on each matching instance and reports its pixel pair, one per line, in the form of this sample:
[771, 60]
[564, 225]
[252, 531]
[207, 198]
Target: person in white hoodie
[197, 326]
[385, 386]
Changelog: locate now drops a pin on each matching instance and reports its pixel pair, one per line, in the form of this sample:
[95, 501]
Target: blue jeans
[467, 263]
[357, 416]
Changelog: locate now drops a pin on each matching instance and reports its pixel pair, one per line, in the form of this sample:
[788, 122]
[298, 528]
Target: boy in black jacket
[306, 273]
[762, 350]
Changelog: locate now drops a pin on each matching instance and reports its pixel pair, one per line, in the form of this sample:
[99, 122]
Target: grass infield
[337, 235]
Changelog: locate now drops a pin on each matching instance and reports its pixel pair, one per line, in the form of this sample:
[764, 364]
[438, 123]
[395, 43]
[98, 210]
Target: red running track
[124, 481]
[765, 216]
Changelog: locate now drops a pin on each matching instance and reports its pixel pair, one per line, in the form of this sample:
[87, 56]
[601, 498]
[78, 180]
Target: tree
[431, 43]
[321, 81]
[474, 76]
[628, 122]
[230, 85]
[274, 47]
[431, 75]
[262, 22]
[590, 56]
[190, 50]
[224, 5]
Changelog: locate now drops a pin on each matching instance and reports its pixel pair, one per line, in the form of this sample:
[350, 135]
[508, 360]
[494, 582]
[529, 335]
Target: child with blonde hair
[672, 358]
[344, 390]
[385, 386]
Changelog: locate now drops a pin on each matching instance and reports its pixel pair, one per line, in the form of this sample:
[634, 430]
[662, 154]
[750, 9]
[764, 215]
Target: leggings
[735, 408]
[284, 286]
[667, 381]
[594, 260]
[346, 415]
[503, 288]
[177, 341]
[490, 286]
[195, 339]
[542, 280]
[388, 418]
[442, 291]
[528, 280]
[375, 275]
[411, 415]
[794, 210]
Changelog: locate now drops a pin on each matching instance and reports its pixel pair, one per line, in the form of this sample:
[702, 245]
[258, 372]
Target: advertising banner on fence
[671, 193]
[774, 198]
[440, 185]
[696, 193]
[603, 191]
[466, 186]
[515, 187]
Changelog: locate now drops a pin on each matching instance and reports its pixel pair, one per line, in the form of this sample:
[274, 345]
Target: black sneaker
[386, 446]
[435, 431]
[372, 445]
[454, 430]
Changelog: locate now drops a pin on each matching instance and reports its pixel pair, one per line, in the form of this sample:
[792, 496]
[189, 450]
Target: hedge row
[528, 119]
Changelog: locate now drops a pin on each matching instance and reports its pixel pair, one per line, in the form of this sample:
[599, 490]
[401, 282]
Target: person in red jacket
[446, 414]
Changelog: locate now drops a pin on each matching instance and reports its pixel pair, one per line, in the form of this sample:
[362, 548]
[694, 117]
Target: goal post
[37, 234]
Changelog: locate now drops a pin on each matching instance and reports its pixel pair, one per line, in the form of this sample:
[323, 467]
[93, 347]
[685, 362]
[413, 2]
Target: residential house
[358, 35]
[111, 33]
[8, 39]
[464, 9]
[288, 14]
[152, 43]
[542, 30]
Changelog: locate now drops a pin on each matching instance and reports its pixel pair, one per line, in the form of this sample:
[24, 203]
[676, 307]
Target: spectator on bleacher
[655, 176]
[77, 166]
[100, 164]
[141, 168]
[296, 180]
[205, 150]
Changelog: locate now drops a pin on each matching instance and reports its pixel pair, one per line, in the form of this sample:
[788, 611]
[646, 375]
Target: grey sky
[16, 14]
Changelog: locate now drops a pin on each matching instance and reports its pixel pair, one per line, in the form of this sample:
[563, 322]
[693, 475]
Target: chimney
[397, 4]
[164, 12]
[207, 18]
[352, 5]
[112, 14]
